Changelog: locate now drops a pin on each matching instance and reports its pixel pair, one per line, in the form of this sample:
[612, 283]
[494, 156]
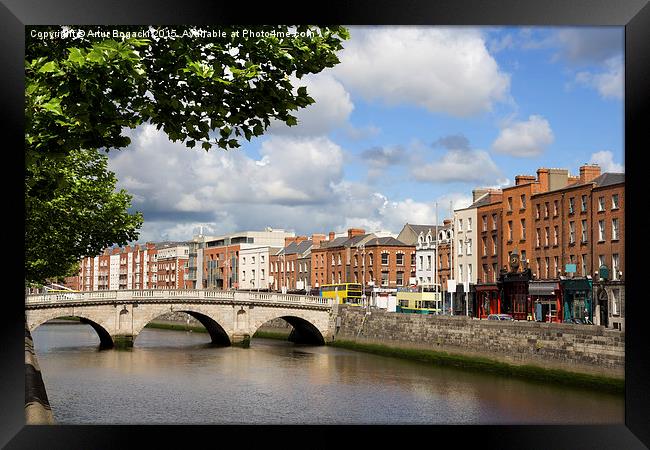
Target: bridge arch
[304, 330]
[105, 338]
[211, 320]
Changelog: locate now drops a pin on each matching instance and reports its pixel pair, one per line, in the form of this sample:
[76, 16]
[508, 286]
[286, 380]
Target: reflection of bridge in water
[230, 317]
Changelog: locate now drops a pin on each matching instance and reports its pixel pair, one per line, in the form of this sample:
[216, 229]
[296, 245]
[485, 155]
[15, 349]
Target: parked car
[500, 317]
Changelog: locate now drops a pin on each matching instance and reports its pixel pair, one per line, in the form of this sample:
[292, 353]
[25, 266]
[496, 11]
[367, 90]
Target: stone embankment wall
[37, 406]
[577, 348]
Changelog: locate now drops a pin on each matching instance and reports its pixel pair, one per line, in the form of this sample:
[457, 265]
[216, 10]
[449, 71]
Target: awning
[543, 288]
[579, 284]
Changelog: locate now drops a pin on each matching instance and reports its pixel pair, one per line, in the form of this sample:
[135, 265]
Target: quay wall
[589, 349]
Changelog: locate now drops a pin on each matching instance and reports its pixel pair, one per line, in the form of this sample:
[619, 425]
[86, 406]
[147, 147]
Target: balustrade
[180, 294]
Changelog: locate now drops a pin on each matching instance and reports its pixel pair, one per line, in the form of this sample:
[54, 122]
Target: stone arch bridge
[230, 317]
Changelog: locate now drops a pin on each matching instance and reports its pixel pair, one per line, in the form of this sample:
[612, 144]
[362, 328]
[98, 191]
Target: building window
[601, 230]
[616, 307]
[384, 259]
[601, 260]
[509, 203]
[412, 259]
[460, 224]
[460, 248]
[537, 238]
[537, 212]
[510, 231]
[469, 224]
[555, 208]
[428, 262]
[468, 250]
[421, 263]
[583, 205]
[614, 229]
[399, 259]
[546, 209]
[523, 229]
[243, 275]
[584, 231]
[262, 259]
[546, 234]
[615, 266]
[384, 278]
[370, 259]
[572, 232]
[252, 260]
[601, 203]
[494, 272]
[484, 245]
[494, 221]
[261, 274]
[614, 201]
[494, 245]
[484, 223]
[523, 201]
[555, 235]
[400, 278]
[557, 265]
[571, 205]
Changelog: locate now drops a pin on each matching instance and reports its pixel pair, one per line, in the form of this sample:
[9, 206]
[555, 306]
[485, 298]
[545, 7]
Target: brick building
[118, 268]
[365, 258]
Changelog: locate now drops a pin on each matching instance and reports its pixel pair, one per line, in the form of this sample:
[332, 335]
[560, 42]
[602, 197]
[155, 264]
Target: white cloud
[470, 166]
[331, 109]
[297, 184]
[446, 70]
[605, 159]
[524, 139]
[609, 83]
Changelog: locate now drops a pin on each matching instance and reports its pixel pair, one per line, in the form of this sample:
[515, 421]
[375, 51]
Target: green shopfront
[577, 299]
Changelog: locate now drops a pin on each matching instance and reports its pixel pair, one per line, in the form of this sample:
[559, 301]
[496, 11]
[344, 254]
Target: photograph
[384, 225]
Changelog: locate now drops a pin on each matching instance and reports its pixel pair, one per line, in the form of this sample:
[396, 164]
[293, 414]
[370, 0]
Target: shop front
[514, 294]
[546, 298]
[577, 300]
[488, 300]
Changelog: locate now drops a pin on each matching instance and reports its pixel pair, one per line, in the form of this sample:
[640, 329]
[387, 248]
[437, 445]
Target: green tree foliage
[207, 87]
[72, 210]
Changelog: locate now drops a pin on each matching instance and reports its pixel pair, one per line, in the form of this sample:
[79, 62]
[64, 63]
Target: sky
[403, 129]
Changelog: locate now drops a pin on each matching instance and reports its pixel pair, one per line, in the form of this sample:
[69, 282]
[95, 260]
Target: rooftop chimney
[316, 239]
[355, 232]
[478, 193]
[524, 179]
[331, 235]
[588, 172]
[543, 179]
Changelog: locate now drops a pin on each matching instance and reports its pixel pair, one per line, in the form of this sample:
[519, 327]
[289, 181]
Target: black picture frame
[634, 15]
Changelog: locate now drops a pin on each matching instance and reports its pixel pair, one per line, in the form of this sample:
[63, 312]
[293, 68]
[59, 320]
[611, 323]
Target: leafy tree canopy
[85, 85]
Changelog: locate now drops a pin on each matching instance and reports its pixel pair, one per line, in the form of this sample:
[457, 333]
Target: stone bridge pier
[119, 323]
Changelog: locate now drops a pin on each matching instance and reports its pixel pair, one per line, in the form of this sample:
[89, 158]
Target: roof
[605, 179]
[608, 179]
[422, 228]
[388, 241]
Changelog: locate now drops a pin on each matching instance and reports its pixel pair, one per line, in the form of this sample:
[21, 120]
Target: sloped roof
[389, 241]
[609, 178]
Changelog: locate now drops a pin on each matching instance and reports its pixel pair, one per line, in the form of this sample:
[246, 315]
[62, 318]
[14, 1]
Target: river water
[175, 377]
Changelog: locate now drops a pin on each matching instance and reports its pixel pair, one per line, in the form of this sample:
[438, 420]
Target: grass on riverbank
[481, 364]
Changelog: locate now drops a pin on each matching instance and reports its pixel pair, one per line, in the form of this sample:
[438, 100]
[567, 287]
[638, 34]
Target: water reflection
[177, 377]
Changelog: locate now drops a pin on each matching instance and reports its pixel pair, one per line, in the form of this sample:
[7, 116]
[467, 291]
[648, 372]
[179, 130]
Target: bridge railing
[177, 294]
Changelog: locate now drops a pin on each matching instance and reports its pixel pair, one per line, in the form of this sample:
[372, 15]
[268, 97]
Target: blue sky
[411, 117]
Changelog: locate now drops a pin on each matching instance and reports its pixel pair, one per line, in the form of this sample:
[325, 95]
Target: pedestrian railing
[179, 295]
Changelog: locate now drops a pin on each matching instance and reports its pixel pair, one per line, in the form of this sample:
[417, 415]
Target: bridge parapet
[179, 295]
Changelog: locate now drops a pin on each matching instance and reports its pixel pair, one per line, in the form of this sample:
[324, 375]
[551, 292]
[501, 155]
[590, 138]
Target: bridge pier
[123, 341]
[241, 340]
